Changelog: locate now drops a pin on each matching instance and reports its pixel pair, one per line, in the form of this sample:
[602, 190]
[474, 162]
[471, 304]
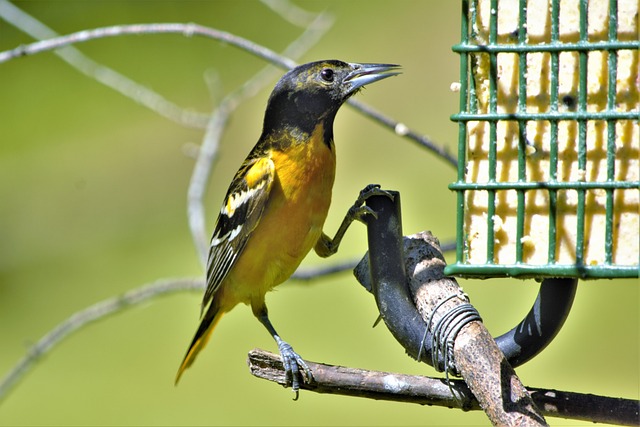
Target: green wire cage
[548, 157]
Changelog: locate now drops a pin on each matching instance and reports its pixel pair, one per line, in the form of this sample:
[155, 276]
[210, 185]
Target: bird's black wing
[238, 217]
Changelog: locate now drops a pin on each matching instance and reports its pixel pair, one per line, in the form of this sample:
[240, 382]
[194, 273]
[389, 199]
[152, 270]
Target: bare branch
[89, 315]
[101, 73]
[402, 130]
[187, 30]
[435, 391]
[364, 383]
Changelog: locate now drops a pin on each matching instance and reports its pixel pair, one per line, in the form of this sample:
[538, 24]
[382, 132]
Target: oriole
[277, 203]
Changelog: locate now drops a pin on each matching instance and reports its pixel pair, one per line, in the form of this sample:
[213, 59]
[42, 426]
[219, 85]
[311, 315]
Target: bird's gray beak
[363, 74]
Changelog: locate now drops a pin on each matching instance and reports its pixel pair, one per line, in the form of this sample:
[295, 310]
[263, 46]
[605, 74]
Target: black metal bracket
[397, 309]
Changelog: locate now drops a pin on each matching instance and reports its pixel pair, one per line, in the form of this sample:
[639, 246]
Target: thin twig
[402, 130]
[89, 315]
[435, 391]
[312, 273]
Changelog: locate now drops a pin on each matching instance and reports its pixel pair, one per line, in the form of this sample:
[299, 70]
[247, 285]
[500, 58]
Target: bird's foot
[358, 211]
[295, 367]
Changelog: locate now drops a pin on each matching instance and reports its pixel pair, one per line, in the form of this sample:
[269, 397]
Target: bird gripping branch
[277, 202]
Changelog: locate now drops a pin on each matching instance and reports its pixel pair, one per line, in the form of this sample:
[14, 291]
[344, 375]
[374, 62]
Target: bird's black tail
[208, 323]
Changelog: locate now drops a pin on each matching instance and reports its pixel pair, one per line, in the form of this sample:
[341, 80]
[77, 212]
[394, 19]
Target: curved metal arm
[388, 284]
[541, 324]
[388, 278]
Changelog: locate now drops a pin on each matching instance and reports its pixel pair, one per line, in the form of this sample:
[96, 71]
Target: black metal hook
[388, 284]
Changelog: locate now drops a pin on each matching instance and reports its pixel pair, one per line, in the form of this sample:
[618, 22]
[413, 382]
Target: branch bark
[477, 357]
[424, 390]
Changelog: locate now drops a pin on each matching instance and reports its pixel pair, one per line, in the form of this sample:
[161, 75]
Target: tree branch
[435, 391]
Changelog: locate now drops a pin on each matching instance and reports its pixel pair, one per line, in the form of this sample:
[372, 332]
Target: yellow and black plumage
[276, 205]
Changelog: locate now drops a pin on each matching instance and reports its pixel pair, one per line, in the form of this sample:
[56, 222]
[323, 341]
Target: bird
[276, 205]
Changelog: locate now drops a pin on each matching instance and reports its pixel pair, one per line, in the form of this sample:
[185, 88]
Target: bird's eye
[327, 74]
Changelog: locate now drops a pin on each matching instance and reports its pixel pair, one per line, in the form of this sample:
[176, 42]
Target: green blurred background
[93, 203]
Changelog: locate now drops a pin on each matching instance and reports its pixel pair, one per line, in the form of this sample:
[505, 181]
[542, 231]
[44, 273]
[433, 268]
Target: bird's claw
[358, 211]
[369, 191]
[295, 367]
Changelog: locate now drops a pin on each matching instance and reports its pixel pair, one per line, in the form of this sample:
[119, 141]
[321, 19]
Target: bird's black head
[311, 94]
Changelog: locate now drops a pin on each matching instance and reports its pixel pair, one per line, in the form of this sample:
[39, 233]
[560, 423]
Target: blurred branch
[311, 273]
[49, 40]
[435, 391]
[57, 42]
[291, 13]
[147, 97]
[89, 315]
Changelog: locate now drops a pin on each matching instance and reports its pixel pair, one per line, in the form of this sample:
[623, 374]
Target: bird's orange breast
[292, 220]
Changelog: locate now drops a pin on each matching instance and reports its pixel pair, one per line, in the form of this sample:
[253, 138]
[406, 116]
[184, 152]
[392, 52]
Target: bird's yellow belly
[291, 223]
